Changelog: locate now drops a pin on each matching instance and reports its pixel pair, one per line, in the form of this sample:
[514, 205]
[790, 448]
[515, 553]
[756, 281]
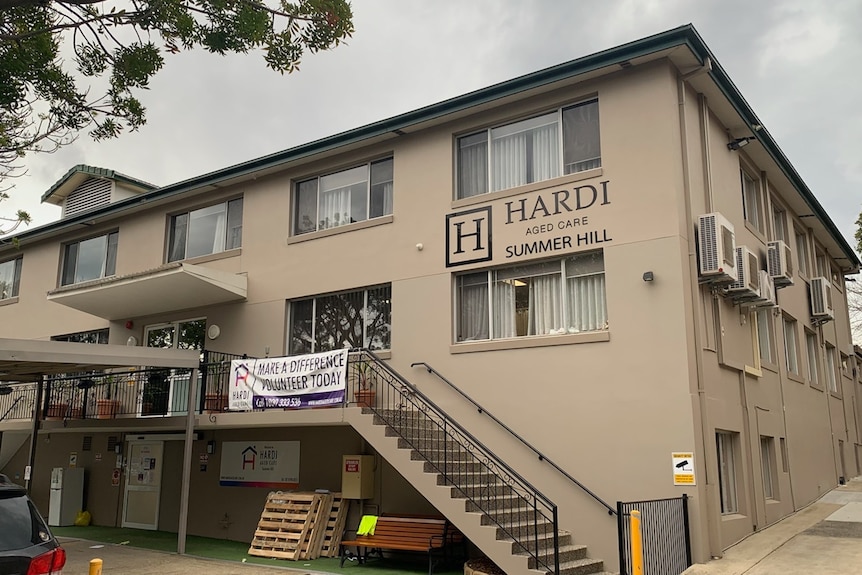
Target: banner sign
[297, 382]
[270, 464]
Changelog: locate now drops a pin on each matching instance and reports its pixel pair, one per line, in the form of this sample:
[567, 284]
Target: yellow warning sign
[683, 468]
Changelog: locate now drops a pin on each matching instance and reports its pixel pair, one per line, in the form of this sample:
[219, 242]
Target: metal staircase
[501, 513]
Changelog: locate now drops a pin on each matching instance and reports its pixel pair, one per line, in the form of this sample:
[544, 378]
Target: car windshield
[20, 524]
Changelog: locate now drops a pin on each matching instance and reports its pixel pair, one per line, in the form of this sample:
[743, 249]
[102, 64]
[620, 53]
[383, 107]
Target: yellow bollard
[95, 567]
[637, 544]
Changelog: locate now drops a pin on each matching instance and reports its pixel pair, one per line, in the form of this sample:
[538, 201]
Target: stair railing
[539, 454]
[519, 511]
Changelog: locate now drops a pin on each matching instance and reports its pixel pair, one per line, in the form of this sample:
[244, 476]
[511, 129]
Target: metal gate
[666, 542]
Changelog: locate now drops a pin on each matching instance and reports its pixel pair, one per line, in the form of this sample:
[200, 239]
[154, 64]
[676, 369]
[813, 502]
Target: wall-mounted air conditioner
[779, 263]
[747, 282]
[821, 299]
[767, 291]
[716, 248]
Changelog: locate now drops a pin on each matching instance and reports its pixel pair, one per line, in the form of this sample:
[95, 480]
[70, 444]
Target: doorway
[165, 392]
[144, 465]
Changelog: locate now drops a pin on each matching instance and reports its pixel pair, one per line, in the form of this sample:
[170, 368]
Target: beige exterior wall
[675, 365]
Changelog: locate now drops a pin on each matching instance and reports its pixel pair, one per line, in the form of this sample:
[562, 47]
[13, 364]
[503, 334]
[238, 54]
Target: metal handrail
[406, 395]
[11, 407]
[541, 456]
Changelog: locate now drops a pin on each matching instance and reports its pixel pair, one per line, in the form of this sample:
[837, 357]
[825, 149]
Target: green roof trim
[683, 36]
[96, 173]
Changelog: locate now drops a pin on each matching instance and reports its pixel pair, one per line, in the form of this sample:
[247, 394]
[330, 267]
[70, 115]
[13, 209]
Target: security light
[739, 142]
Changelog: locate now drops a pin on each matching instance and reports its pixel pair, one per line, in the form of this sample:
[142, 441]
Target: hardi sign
[271, 464]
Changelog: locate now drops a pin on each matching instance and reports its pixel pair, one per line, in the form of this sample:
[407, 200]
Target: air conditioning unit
[747, 283]
[779, 263]
[767, 291]
[821, 300]
[717, 249]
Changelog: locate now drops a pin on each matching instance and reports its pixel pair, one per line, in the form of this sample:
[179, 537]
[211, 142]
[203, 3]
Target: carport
[25, 361]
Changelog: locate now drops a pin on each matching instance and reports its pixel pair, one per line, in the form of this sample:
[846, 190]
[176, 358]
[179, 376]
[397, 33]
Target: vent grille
[708, 243]
[113, 441]
[91, 194]
[88, 443]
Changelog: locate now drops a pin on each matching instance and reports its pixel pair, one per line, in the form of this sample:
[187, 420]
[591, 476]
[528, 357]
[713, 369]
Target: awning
[168, 288]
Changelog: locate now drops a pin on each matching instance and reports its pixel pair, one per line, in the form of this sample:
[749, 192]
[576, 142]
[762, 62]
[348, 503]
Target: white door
[143, 484]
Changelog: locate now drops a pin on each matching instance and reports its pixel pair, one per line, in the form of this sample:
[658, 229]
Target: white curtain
[586, 301]
[546, 153]
[387, 198]
[473, 170]
[546, 310]
[509, 161]
[473, 304]
[334, 208]
[504, 309]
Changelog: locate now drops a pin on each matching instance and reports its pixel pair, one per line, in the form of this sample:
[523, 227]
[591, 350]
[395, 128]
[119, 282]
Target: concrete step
[545, 543]
[454, 467]
[480, 478]
[582, 567]
[440, 456]
[567, 553]
[485, 496]
[511, 515]
[525, 532]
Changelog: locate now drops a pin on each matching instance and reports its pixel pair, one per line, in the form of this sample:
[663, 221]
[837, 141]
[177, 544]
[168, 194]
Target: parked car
[27, 546]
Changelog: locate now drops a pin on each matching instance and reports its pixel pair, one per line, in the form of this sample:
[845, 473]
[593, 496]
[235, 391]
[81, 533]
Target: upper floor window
[10, 278]
[344, 197]
[562, 142]
[813, 358]
[791, 346]
[821, 264]
[765, 335]
[360, 318]
[209, 230]
[90, 259]
[802, 252]
[544, 298]
[752, 204]
[779, 224]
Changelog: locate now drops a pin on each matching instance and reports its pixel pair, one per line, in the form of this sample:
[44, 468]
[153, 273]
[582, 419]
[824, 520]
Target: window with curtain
[768, 467]
[564, 141]
[725, 449]
[765, 336]
[359, 318]
[779, 223]
[791, 357]
[205, 231]
[353, 195]
[90, 259]
[542, 298]
[831, 379]
[10, 278]
[813, 358]
[752, 203]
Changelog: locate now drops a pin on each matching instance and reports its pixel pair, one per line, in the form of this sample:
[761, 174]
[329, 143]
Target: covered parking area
[30, 361]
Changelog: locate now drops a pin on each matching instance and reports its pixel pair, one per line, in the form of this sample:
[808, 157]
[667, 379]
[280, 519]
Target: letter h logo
[468, 237]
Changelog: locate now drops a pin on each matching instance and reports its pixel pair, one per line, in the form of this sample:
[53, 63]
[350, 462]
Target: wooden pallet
[335, 526]
[311, 548]
[285, 524]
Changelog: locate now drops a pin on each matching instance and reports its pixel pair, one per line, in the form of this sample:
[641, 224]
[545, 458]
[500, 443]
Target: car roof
[8, 489]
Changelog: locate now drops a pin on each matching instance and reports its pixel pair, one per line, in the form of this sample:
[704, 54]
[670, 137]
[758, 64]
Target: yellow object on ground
[95, 567]
[367, 525]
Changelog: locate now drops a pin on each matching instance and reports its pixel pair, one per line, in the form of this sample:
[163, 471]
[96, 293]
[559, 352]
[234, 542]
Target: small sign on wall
[73, 460]
[683, 468]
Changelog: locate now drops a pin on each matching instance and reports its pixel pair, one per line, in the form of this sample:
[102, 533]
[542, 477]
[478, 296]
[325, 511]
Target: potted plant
[365, 393]
[108, 405]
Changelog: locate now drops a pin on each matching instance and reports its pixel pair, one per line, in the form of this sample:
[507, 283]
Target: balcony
[171, 287]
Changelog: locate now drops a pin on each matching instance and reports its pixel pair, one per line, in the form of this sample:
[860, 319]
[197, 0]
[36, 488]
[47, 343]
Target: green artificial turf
[237, 551]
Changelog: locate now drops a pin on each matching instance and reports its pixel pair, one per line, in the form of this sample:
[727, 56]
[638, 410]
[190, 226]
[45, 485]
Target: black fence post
[687, 534]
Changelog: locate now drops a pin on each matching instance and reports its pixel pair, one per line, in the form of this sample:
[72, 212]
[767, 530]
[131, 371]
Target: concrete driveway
[125, 560]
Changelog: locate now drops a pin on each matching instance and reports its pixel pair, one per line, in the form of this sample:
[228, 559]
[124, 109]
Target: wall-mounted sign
[115, 478]
[270, 464]
[73, 459]
[297, 382]
[683, 468]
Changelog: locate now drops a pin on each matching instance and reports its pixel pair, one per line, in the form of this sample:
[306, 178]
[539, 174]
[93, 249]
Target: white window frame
[228, 239]
[831, 369]
[11, 270]
[562, 304]
[108, 258]
[801, 245]
[379, 182]
[726, 455]
[791, 346]
[752, 199]
[813, 353]
[555, 117]
[765, 333]
[768, 467]
[779, 222]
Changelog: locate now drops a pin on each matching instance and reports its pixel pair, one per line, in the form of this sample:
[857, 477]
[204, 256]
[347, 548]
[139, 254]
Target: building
[653, 301]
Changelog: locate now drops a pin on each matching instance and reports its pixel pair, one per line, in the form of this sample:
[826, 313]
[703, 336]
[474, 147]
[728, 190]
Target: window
[90, 259]
[791, 356]
[360, 318]
[726, 471]
[831, 378]
[209, 230]
[779, 223]
[752, 204]
[10, 278]
[767, 466]
[187, 334]
[845, 365]
[821, 264]
[811, 346]
[99, 336]
[548, 146]
[545, 298]
[802, 252]
[765, 337]
[784, 462]
[342, 198]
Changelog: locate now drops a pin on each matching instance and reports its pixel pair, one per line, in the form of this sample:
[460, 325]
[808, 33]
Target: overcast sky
[797, 63]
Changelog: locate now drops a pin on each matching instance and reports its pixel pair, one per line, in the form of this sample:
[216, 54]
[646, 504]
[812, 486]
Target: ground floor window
[768, 467]
[725, 448]
[542, 298]
[359, 318]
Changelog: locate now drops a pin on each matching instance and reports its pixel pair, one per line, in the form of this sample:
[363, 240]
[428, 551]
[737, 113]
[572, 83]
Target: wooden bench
[420, 534]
